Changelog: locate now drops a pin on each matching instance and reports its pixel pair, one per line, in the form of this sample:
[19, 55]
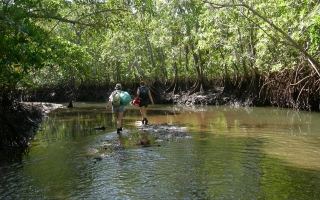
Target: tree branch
[78, 21]
[315, 65]
[101, 11]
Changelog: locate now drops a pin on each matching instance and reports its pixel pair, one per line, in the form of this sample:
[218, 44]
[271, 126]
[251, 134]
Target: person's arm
[108, 104]
[150, 97]
[109, 101]
[138, 92]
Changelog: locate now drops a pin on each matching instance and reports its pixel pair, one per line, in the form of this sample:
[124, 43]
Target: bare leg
[119, 119]
[116, 114]
[143, 111]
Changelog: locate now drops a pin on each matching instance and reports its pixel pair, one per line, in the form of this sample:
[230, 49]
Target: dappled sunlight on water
[287, 134]
[234, 153]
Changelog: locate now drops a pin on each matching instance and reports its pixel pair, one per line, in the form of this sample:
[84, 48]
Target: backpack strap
[143, 87]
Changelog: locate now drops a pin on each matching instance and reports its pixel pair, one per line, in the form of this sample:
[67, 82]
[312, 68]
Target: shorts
[144, 103]
[118, 109]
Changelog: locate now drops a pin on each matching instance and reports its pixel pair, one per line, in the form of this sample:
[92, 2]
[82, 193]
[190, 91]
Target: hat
[118, 86]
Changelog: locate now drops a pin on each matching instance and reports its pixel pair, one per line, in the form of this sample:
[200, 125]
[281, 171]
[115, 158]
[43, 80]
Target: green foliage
[49, 42]
[315, 34]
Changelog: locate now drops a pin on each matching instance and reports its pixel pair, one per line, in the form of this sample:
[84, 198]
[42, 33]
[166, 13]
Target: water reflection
[236, 153]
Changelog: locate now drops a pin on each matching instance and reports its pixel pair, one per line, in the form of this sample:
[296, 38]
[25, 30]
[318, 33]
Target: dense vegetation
[18, 126]
[265, 50]
[268, 50]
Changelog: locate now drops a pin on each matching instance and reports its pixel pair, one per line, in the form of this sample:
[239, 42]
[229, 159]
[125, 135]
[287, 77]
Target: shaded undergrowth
[18, 125]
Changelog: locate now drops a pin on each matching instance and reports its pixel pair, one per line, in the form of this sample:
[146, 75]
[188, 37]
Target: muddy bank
[272, 93]
[45, 107]
[209, 97]
[214, 96]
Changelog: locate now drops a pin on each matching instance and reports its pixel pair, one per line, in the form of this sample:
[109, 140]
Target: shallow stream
[234, 153]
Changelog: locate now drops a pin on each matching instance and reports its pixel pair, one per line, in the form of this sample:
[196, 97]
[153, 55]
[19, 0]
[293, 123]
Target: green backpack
[116, 99]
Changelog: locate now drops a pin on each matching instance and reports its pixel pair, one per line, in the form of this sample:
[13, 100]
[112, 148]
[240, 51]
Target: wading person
[144, 95]
[117, 108]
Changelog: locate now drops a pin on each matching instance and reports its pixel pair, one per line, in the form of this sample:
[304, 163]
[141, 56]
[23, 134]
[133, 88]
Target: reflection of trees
[240, 158]
[231, 152]
[66, 125]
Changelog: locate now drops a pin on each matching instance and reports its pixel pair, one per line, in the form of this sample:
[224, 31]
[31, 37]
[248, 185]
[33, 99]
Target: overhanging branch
[314, 64]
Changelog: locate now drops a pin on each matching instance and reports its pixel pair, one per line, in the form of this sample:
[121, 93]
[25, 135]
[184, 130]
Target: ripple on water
[238, 161]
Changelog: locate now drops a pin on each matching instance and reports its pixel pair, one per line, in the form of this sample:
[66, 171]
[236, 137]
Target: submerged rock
[148, 135]
[165, 131]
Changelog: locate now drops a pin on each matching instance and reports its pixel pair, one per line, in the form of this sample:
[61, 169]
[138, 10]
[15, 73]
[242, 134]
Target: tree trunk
[186, 53]
[173, 87]
[150, 51]
[245, 79]
[199, 85]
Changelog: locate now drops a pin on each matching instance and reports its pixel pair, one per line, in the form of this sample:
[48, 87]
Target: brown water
[235, 153]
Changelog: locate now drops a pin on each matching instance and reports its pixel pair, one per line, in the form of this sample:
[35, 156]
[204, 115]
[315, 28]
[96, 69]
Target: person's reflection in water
[144, 140]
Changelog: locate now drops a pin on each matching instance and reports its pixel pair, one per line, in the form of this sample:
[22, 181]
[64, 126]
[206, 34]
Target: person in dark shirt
[144, 95]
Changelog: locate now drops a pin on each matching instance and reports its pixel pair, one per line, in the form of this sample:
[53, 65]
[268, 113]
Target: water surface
[235, 153]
